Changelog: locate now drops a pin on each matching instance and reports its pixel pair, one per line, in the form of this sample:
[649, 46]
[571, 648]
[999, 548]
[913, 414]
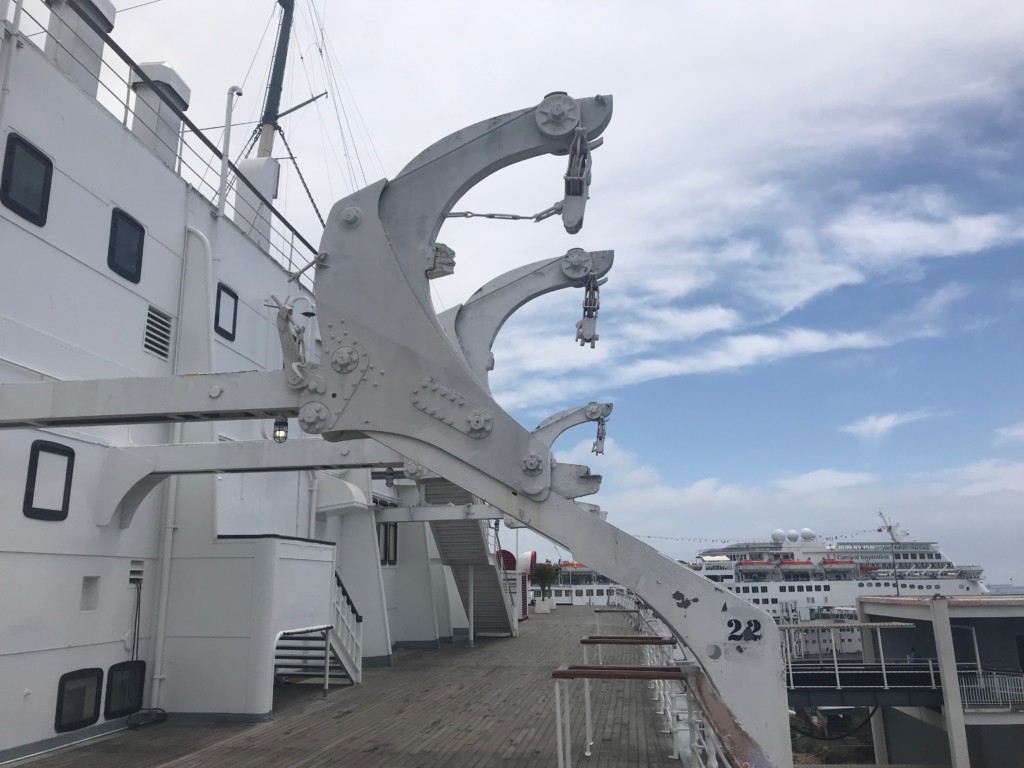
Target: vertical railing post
[568, 729]
[881, 657]
[586, 703]
[327, 661]
[931, 671]
[835, 657]
[558, 725]
[471, 590]
[977, 654]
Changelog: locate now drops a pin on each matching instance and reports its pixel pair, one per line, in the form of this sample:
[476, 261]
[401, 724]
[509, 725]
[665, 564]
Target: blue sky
[817, 305]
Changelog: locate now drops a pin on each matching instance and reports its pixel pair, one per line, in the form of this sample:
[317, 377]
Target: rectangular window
[125, 684]
[78, 699]
[48, 487]
[800, 588]
[579, 593]
[590, 593]
[225, 316]
[817, 587]
[764, 589]
[600, 593]
[25, 183]
[387, 543]
[828, 587]
[775, 601]
[124, 253]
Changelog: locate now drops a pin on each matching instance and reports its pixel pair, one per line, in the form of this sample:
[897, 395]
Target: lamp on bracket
[280, 429]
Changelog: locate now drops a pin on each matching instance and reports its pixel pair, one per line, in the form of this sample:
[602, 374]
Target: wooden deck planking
[481, 707]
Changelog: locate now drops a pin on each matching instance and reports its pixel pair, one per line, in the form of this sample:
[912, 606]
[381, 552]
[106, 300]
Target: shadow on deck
[492, 705]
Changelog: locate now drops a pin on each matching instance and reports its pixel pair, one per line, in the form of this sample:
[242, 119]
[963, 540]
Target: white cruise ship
[798, 575]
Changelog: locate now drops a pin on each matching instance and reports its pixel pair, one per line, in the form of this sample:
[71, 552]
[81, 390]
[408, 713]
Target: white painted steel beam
[130, 473]
[151, 399]
[437, 512]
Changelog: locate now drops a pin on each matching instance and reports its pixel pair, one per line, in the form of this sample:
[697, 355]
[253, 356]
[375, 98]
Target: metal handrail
[281, 248]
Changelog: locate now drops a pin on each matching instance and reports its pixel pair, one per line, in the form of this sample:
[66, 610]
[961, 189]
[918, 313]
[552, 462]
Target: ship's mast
[268, 123]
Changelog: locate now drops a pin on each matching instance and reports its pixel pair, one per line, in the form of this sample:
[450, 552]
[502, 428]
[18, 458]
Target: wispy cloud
[544, 371]
[877, 426]
[1011, 434]
[823, 480]
[989, 476]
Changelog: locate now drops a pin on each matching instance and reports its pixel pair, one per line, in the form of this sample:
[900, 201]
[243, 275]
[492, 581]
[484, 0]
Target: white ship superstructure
[799, 575]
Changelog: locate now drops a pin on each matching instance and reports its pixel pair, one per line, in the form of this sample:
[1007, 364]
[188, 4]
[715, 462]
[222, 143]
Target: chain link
[540, 216]
[302, 178]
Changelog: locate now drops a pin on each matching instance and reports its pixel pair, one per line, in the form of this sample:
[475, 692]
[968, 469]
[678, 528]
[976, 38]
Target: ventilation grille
[135, 571]
[158, 333]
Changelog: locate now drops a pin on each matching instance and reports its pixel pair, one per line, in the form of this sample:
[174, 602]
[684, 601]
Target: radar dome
[778, 535]
[792, 535]
[807, 534]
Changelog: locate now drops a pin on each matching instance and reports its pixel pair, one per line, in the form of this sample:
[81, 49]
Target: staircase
[304, 652]
[301, 654]
[463, 544]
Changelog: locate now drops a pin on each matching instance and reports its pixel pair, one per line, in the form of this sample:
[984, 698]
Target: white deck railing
[681, 706]
[992, 690]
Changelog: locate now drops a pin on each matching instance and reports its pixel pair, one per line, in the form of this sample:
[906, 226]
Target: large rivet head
[533, 464]
[480, 423]
[351, 216]
[345, 359]
[313, 416]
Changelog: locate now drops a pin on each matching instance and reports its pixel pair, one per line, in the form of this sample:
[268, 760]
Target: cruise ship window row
[784, 588]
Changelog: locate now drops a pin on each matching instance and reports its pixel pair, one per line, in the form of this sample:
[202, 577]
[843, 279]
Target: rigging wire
[332, 87]
[139, 5]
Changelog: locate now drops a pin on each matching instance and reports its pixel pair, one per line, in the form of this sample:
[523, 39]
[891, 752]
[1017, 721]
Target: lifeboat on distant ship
[756, 565]
[796, 565]
[833, 565]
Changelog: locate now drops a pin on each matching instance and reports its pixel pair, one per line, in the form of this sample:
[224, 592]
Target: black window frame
[136, 667]
[117, 218]
[16, 143]
[221, 331]
[78, 674]
[39, 513]
[387, 543]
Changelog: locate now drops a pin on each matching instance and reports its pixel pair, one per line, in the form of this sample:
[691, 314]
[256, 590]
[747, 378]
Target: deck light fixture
[280, 430]
[389, 478]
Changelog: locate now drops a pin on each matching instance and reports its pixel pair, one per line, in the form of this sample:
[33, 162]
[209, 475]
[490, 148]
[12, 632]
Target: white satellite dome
[792, 535]
[807, 534]
[778, 535]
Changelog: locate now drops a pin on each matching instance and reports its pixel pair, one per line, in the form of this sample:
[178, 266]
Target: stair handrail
[348, 597]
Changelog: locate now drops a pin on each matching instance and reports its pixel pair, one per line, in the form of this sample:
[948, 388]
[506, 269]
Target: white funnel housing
[155, 122]
[71, 44]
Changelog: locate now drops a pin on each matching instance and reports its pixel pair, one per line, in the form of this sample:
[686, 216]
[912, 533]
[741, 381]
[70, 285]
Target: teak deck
[456, 707]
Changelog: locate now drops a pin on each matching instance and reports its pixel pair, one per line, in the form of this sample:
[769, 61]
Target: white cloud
[979, 478]
[681, 515]
[887, 231]
[1011, 434]
[823, 480]
[877, 426]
